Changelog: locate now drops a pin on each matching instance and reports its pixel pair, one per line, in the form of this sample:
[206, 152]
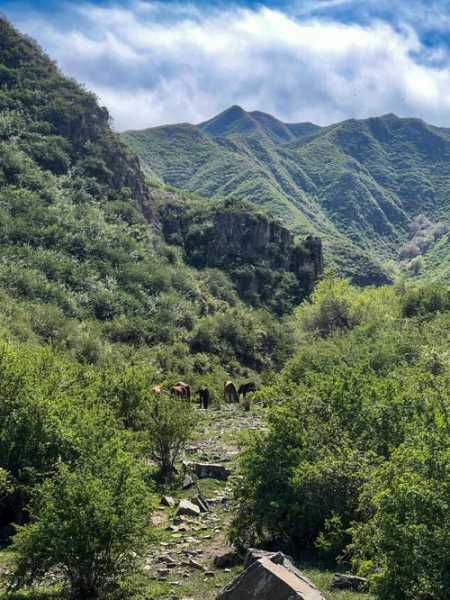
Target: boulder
[348, 581]
[266, 580]
[168, 501]
[187, 508]
[188, 481]
[209, 470]
[253, 554]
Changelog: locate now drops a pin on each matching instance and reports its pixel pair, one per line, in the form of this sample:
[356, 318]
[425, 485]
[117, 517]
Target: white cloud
[153, 64]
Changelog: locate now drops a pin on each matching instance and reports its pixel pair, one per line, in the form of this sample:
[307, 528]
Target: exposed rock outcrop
[244, 242]
[266, 580]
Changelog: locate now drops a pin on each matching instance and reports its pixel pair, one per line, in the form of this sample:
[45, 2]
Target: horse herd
[231, 393]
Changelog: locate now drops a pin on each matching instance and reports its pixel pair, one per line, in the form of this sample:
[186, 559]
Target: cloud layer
[153, 63]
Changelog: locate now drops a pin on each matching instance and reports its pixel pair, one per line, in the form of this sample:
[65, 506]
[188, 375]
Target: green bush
[87, 522]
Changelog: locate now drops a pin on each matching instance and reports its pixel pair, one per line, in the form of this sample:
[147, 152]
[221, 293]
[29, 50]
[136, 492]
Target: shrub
[87, 522]
[169, 425]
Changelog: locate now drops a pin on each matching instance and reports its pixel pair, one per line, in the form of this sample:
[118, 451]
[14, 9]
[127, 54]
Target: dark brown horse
[204, 397]
[230, 392]
[181, 390]
[244, 389]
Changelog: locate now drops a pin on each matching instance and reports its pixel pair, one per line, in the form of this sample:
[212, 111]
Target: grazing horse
[182, 390]
[157, 389]
[230, 392]
[245, 389]
[203, 394]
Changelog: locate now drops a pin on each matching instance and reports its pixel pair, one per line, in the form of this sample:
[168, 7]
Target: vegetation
[169, 427]
[354, 463]
[352, 460]
[375, 190]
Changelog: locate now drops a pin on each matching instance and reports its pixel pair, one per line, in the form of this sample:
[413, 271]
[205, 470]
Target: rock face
[265, 580]
[232, 237]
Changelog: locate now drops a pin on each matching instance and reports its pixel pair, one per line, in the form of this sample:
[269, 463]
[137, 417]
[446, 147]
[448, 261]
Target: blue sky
[155, 62]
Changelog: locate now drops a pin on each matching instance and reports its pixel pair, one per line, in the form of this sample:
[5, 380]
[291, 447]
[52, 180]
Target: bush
[169, 426]
[87, 523]
[404, 545]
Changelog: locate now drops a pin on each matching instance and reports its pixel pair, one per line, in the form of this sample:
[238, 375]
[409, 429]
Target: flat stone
[168, 501]
[187, 508]
[201, 502]
[209, 470]
[348, 581]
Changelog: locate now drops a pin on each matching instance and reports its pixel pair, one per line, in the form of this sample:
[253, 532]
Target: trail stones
[168, 501]
[267, 580]
[209, 470]
[188, 481]
[229, 559]
[188, 508]
[348, 582]
[201, 502]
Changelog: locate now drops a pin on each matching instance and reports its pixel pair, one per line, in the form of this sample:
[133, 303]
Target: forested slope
[84, 265]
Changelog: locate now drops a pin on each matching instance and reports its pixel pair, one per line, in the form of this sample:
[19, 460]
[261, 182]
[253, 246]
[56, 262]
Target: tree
[170, 422]
[87, 522]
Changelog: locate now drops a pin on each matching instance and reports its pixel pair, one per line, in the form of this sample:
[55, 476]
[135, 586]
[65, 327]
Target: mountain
[84, 264]
[359, 184]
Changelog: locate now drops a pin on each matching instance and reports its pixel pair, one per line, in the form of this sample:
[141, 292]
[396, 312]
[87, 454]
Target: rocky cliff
[257, 251]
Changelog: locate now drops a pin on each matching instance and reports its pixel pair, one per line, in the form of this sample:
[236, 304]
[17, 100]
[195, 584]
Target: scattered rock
[168, 501]
[265, 580]
[188, 481]
[348, 581]
[201, 502]
[157, 520]
[196, 565]
[209, 470]
[229, 559]
[187, 508]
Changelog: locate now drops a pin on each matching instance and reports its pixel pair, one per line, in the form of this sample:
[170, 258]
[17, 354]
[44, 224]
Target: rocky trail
[183, 566]
[191, 536]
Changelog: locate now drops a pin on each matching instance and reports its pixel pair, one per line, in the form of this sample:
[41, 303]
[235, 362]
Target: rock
[168, 501]
[196, 565]
[157, 520]
[253, 554]
[266, 580]
[348, 581]
[188, 482]
[187, 508]
[229, 559]
[209, 470]
[201, 502]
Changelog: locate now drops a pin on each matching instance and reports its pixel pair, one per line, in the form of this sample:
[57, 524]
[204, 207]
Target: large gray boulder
[208, 470]
[266, 580]
[188, 509]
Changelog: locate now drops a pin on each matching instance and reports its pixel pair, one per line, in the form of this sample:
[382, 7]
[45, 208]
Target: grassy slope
[358, 183]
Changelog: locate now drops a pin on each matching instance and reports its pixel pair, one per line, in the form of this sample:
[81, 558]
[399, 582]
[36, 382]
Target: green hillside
[358, 184]
[83, 264]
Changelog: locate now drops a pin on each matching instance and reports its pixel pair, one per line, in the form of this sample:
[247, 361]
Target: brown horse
[245, 389]
[182, 390]
[230, 392]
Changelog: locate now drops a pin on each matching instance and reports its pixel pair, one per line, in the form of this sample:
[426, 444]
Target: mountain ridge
[359, 184]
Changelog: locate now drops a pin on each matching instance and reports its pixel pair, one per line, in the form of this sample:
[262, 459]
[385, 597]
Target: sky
[157, 62]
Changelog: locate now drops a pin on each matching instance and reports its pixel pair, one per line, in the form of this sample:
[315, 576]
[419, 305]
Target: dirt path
[182, 564]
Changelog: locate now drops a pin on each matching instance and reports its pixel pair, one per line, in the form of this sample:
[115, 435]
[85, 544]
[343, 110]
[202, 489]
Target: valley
[293, 277]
